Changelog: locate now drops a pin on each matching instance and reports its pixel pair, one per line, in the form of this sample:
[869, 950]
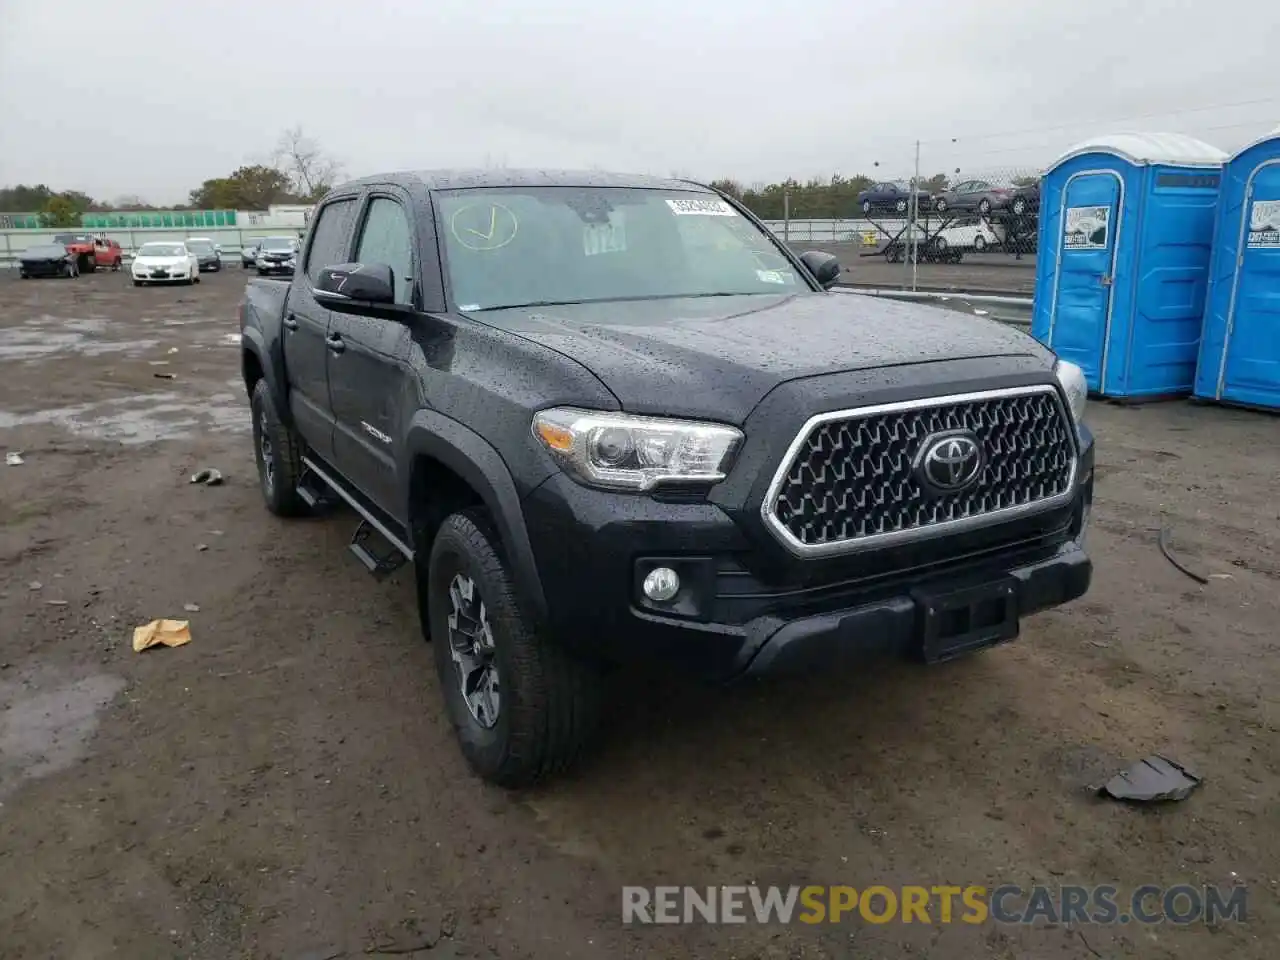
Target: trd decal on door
[375, 432]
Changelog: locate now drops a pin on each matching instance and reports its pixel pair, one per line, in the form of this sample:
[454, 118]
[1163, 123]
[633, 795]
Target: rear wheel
[522, 706]
[278, 452]
[900, 206]
[940, 205]
[984, 206]
[979, 243]
[866, 207]
[1019, 206]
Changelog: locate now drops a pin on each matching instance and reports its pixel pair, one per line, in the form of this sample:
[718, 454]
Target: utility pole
[915, 206]
[786, 217]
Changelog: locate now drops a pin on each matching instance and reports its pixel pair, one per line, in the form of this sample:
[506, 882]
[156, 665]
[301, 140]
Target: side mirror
[351, 287]
[824, 267]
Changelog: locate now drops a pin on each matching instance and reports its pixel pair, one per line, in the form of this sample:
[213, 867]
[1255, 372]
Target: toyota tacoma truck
[613, 420]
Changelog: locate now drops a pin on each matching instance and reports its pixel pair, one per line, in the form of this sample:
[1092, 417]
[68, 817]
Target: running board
[380, 565]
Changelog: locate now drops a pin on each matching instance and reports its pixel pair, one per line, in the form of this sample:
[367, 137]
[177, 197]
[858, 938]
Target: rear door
[306, 326]
[1080, 317]
[367, 378]
[1251, 371]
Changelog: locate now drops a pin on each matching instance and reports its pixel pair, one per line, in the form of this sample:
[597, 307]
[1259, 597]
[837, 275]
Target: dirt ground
[979, 273]
[285, 786]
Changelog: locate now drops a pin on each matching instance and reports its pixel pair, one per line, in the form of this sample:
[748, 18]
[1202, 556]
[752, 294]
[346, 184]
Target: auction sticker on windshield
[702, 206]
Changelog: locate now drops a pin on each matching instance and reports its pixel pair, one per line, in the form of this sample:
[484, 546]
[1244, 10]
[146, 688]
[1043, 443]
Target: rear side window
[329, 237]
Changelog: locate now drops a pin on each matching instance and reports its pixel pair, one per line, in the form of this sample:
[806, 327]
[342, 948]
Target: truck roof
[461, 179]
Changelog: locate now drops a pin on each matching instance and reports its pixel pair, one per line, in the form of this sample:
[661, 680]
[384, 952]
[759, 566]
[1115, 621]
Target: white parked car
[969, 233]
[165, 262]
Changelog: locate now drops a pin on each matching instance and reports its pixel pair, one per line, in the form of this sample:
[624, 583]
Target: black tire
[866, 208]
[900, 206]
[1019, 206]
[262, 273]
[984, 206]
[548, 699]
[940, 205]
[137, 283]
[279, 460]
[22, 275]
[940, 245]
[979, 243]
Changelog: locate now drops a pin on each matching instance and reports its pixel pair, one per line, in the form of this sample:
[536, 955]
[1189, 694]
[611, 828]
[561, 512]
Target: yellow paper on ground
[169, 633]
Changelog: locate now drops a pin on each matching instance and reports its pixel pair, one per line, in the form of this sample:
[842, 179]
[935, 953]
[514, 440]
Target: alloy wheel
[472, 649]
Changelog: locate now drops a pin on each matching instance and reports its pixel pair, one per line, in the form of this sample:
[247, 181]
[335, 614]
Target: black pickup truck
[613, 419]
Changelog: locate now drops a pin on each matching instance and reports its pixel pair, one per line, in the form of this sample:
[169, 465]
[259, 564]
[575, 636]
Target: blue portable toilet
[1126, 233]
[1240, 349]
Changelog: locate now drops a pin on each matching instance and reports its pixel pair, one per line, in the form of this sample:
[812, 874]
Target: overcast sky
[151, 98]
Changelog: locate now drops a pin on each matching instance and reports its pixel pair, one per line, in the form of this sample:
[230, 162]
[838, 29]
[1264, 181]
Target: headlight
[618, 451]
[1074, 385]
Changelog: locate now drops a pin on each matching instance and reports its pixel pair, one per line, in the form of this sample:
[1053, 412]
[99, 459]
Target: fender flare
[253, 342]
[475, 460]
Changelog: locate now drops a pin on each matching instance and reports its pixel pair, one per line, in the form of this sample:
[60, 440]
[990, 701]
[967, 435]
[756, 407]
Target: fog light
[661, 584]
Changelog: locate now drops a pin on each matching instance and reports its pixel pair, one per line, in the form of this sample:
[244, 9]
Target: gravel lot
[286, 785]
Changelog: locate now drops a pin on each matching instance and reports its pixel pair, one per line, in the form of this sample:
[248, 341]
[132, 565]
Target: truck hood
[718, 357]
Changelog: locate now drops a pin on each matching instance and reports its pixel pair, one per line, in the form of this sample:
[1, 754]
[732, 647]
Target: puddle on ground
[43, 731]
[47, 335]
[143, 418]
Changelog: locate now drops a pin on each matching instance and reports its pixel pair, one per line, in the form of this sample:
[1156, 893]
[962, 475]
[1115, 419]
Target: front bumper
[742, 611]
[150, 277]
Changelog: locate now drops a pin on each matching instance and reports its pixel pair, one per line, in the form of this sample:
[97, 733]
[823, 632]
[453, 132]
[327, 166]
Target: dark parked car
[672, 444]
[973, 196]
[48, 260]
[1025, 199]
[277, 255]
[249, 253]
[207, 253]
[892, 195]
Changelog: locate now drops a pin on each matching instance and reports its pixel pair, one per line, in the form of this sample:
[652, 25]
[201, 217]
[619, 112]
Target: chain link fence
[988, 216]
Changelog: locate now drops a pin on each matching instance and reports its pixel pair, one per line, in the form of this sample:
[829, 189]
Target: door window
[386, 239]
[329, 238]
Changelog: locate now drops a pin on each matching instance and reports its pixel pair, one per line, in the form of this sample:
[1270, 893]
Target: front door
[306, 328]
[366, 376]
[1081, 318]
[1251, 367]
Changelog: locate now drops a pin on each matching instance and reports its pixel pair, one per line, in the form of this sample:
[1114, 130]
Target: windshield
[161, 250]
[200, 246]
[72, 238]
[546, 245]
[279, 244]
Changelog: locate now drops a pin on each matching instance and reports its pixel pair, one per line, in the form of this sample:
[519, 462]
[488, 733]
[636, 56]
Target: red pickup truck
[91, 252]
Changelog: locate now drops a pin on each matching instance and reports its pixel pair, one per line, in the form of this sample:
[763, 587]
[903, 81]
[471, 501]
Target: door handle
[291, 322]
[334, 343]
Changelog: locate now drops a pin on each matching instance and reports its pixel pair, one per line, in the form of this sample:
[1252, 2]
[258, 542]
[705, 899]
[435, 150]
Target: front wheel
[1019, 207]
[900, 206]
[522, 707]
[979, 244]
[984, 207]
[940, 205]
[137, 283]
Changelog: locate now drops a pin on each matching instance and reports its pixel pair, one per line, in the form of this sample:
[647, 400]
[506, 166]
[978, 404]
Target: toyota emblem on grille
[950, 462]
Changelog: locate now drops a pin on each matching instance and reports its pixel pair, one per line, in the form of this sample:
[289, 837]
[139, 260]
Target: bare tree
[311, 171]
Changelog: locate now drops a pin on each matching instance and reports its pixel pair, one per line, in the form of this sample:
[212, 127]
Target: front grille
[851, 478]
